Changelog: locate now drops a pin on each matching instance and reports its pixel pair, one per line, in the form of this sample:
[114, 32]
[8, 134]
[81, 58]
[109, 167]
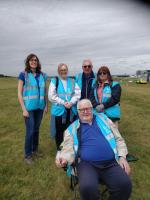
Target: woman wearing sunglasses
[33, 101]
[63, 94]
[105, 95]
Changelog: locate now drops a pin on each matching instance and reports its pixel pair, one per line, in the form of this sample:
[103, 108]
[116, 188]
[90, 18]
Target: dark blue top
[86, 85]
[94, 146]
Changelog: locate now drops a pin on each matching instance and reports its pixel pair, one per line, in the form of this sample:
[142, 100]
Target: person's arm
[77, 94]
[93, 99]
[67, 153]
[53, 96]
[115, 96]
[46, 92]
[20, 98]
[121, 147]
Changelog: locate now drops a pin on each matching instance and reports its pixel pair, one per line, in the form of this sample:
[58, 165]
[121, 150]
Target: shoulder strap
[56, 82]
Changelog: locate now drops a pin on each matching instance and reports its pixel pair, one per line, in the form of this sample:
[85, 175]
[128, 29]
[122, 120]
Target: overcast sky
[110, 32]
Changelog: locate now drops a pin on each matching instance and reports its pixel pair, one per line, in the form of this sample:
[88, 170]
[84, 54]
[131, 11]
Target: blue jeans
[32, 124]
[111, 174]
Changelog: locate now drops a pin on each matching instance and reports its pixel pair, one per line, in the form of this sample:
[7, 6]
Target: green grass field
[43, 181]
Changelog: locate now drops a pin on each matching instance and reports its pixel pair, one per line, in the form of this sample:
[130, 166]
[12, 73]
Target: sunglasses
[102, 73]
[87, 66]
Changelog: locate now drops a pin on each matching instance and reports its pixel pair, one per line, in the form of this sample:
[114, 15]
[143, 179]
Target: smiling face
[87, 67]
[63, 71]
[33, 63]
[103, 76]
[85, 111]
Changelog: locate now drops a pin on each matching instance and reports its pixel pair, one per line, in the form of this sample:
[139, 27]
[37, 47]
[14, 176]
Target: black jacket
[86, 85]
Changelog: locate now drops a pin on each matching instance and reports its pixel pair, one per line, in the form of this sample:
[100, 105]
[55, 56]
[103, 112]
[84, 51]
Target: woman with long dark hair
[33, 101]
[105, 95]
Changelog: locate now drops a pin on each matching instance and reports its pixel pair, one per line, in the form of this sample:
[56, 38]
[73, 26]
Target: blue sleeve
[22, 77]
[45, 76]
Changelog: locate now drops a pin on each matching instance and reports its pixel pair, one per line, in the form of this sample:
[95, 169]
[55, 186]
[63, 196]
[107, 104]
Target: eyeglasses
[63, 70]
[33, 60]
[102, 73]
[83, 110]
[87, 66]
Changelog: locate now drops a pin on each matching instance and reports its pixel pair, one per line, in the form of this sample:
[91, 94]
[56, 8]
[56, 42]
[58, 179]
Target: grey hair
[84, 101]
[87, 60]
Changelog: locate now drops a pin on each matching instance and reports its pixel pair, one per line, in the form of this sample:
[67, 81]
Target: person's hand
[46, 109]
[68, 105]
[25, 113]
[61, 162]
[124, 165]
[99, 108]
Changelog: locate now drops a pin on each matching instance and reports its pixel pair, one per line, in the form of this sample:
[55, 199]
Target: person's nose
[85, 111]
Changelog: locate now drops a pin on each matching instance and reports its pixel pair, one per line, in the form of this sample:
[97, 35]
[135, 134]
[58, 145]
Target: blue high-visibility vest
[57, 109]
[113, 111]
[78, 79]
[34, 95]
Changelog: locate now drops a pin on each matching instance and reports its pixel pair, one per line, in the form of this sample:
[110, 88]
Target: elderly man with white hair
[101, 152]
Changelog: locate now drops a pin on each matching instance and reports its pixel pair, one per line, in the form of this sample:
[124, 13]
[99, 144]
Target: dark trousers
[32, 124]
[61, 127]
[112, 175]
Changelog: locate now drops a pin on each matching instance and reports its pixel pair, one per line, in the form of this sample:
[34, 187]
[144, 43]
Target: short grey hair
[87, 60]
[84, 101]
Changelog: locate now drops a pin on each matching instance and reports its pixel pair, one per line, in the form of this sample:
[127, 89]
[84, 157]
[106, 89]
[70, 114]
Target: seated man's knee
[125, 186]
[89, 191]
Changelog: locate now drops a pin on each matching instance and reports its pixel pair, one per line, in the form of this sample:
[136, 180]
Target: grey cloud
[109, 32]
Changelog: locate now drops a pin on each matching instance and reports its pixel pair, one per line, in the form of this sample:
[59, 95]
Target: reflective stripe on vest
[30, 88]
[64, 95]
[31, 97]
